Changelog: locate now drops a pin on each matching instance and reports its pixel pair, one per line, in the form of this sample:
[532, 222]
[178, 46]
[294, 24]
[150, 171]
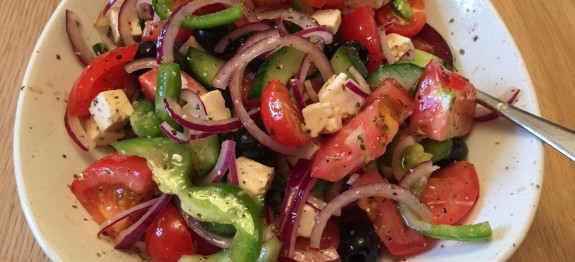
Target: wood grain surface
[544, 31]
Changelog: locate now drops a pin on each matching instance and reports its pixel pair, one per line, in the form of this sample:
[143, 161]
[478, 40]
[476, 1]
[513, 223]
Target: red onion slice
[77, 132]
[295, 197]
[395, 192]
[200, 230]
[354, 87]
[421, 171]
[195, 135]
[198, 109]
[360, 80]
[404, 142]
[319, 31]
[210, 126]
[238, 32]
[125, 214]
[492, 115]
[227, 155]
[108, 6]
[234, 180]
[145, 10]
[295, 86]
[78, 44]
[311, 92]
[256, 38]
[127, 238]
[280, 26]
[126, 15]
[139, 64]
[320, 204]
[173, 134]
[303, 20]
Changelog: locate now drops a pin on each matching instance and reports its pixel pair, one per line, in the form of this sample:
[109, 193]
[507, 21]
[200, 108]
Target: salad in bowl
[273, 130]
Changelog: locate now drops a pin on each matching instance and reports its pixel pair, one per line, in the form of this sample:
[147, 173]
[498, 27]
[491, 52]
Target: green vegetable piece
[222, 256]
[439, 149]
[406, 74]
[99, 48]
[413, 155]
[205, 152]
[224, 17]
[421, 59]
[270, 250]
[143, 121]
[300, 6]
[403, 8]
[170, 163]
[220, 229]
[346, 57]
[169, 86]
[476, 232]
[203, 66]
[282, 65]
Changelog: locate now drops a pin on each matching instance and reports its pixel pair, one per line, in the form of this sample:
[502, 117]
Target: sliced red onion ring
[238, 32]
[395, 192]
[210, 126]
[256, 38]
[126, 15]
[129, 236]
[234, 180]
[320, 204]
[125, 214]
[303, 69]
[280, 26]
[77, 132]
[108, 6]
[145, 10]
[360, 80]
[295, 197]
[167, 37]
[78, 44]
[404, 142]
[200, 230]
[227, 155]
[295, 86]
[492, 115]
[195, 135]
[319, 31]
[311, 92]
[173, 134]
[385, 46]
[303, 20]
[198, 109]
[139, 64]
[354, 87]
[421, 171]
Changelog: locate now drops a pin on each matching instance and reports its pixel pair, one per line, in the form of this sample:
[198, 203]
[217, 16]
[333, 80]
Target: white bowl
[509, 160]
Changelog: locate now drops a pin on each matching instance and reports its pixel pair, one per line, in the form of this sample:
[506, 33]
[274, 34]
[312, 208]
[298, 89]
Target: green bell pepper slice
[224, 17]
[143, 121]
[169, 86]
[171, 167]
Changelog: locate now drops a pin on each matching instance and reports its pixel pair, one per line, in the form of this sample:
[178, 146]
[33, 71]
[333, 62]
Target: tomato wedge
[104, 73]
[149, 81]
[359, 25]
[113, 184]
[327, 250]
[168, 237]
[397, 238]
[281, 116]
[152, 30]
[451, 192]
[396, 96]
[386, 16]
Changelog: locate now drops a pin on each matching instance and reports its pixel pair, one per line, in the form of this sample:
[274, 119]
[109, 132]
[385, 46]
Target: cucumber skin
[282, 65]
[344, 58]
[406, 74]
[205, 152]
[202, 66]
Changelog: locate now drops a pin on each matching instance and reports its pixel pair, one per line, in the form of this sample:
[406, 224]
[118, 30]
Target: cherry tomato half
[168, 237]
[398, 25]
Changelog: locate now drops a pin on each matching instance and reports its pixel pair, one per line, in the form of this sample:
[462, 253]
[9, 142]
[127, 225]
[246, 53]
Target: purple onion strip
[226, 157]
[78, 43]
[126, 213]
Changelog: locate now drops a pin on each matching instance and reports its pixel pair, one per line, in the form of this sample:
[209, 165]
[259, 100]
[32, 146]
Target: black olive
[248, 146]
[359, 242]
[361, 50]
[208, 38]
[458, 152]
[146, 49]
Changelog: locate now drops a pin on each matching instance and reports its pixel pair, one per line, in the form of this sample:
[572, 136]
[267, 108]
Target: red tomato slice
[327, 250]
[104, 73]
[152, 30]
[269, 2]
[361, 140]
[359, 25]
[315, 3]
[334, 4]
[168, 237]
[281, 117]
[246, 86]
[149, 81]
[445, 104]
[397, 238]
[399, 25]
[396, 96]
[113, 184]
[451, 192]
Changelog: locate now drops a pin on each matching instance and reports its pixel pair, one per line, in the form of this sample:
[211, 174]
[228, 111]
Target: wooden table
[544, 32]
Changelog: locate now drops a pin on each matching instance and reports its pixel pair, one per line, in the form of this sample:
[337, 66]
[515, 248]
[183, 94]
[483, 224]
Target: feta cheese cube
[216, 105]
[399, 45]
[328, 18]
[111, 110]
[321, 118]
[254, 177]
[344, 101]
[307, 221]
[114, 21]
[102, 138]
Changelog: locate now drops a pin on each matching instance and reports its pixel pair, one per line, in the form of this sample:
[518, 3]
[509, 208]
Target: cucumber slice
[346, 57]
[282, 65]
[406, 74]
[205, 152]
[403, 8]
[202, 66]
[421, 59]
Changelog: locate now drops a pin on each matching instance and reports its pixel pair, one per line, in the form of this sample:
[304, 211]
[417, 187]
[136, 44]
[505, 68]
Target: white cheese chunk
[321, 118]
[216, 105]
[111, 110]
[306, 221]
[135, 28]
[191, 42]
[102, 138]
[254, 177]
[344, 101]
[328, 18]
[399, 45]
